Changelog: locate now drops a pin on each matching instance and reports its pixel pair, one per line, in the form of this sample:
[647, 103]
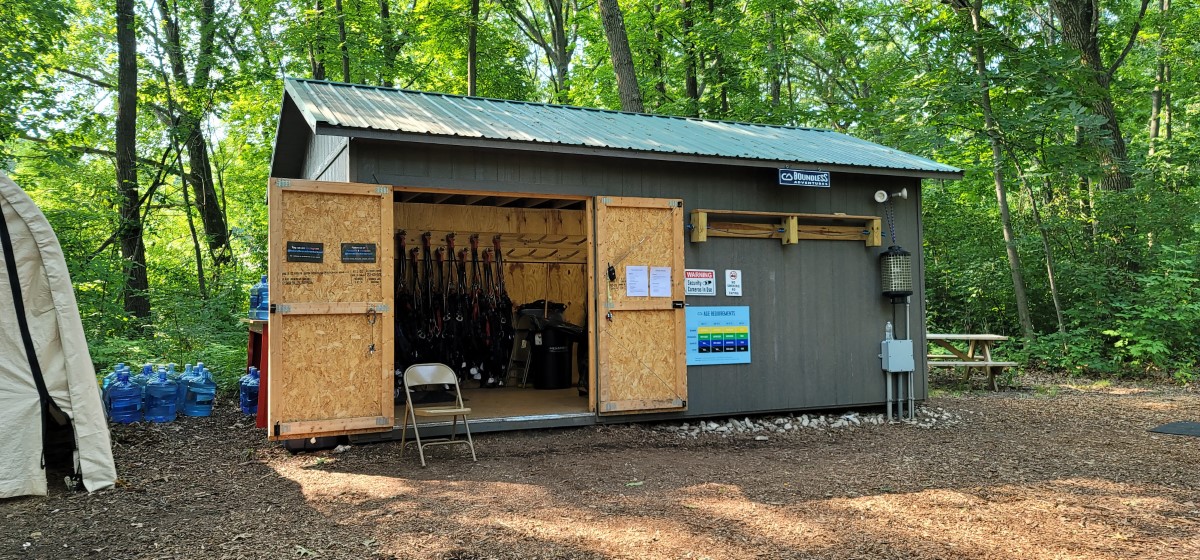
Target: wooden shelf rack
[789, 227]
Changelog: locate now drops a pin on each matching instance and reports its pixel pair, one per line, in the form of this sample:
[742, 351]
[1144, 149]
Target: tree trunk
[1080, 28]
[316, 49]
[1051, 273]
[993, 132]
[660, 76]
[1044, 232]
[622, 59]
[775, 74]
[719, 66]
[562, 48]
[133, 246]
[1160, 80]
[473, 49]
[342, 46]
[201, 283]
[691, 85]
[558, 46]
[391, 46]
[204, 190]
[189, 125]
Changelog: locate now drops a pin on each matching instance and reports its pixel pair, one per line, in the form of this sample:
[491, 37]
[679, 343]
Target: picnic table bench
[978, 354]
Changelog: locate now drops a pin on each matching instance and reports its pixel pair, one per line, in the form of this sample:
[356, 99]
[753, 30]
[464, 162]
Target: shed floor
[507, 402]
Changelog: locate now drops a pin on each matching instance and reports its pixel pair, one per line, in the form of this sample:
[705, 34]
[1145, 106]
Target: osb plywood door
[331, 294]
[641, 361]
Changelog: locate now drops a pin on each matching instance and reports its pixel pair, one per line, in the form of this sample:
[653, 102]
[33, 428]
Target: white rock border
[762, 426]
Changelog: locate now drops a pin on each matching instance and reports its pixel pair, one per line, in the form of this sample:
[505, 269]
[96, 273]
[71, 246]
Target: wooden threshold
[511, 402]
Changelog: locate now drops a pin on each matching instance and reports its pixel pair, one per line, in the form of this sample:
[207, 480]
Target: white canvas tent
[46, 374]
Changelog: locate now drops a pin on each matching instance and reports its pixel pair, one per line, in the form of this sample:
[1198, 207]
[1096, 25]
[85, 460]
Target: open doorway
[496, 285]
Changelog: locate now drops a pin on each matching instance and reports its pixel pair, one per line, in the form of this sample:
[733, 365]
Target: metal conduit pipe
[908, 334]
[887, 376]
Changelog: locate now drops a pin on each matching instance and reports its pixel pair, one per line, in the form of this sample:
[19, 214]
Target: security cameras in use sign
[699, 282]
[803, 178]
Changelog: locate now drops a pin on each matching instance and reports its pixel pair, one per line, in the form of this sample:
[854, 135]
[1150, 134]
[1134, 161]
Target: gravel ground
[1058, 472]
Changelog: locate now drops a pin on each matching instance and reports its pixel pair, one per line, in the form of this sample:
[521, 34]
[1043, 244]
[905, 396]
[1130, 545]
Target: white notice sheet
[660, 281]
[636, 281]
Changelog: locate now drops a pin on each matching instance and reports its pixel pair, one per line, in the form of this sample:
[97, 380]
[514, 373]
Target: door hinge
[282, 183]
[380, 308]
[382, 421]
[677, 304]
[383, 190]
[605, 200]
[280, 308]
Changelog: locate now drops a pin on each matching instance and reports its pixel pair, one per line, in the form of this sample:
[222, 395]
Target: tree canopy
[1076, 228]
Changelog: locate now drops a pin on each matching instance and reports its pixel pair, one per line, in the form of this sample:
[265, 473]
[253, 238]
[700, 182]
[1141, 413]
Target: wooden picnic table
[978, 353]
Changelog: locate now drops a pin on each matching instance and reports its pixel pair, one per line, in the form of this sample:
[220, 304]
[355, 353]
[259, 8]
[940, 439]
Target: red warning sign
[699, 282]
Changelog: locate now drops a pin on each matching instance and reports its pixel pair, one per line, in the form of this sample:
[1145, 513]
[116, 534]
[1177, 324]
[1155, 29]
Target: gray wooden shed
[637, 222]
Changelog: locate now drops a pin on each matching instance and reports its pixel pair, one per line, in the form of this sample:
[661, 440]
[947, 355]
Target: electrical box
[897, 356]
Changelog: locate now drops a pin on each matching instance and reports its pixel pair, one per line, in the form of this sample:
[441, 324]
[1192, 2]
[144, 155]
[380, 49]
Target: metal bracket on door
[383, 190]
[281, 308]
[282, 183]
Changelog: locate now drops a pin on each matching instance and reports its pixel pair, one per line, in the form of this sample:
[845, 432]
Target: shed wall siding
[817, 315]
[328, 159]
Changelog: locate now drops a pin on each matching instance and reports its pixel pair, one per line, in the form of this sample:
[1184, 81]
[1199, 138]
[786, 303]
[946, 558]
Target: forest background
[144, 129]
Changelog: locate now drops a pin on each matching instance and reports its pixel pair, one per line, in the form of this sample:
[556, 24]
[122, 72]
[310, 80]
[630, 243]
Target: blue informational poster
[718, 335]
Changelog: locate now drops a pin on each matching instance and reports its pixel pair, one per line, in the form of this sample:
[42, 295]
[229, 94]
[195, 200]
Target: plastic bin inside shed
[550, 364]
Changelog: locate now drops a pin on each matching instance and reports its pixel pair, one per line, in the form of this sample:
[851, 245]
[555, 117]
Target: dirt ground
[1053, 472]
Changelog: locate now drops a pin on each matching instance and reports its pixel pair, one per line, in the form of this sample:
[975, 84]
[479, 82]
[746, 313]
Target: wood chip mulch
[1070, 472]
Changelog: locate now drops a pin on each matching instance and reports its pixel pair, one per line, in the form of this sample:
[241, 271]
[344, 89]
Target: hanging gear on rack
[481, 310]
[405, 327]
[428, 313]
[452, 312]
[415, 321]
[493, 328]
[500, 320]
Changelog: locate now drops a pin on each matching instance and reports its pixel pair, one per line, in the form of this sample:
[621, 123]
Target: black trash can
[541, 308]
[551, 360]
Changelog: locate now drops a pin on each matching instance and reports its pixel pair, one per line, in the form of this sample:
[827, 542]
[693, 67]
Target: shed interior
[543, 244]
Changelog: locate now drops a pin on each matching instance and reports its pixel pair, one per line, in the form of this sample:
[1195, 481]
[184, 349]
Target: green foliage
[899, 73]
[31, 32]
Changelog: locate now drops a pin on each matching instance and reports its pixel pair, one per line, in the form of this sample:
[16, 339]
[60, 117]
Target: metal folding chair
[433, 374]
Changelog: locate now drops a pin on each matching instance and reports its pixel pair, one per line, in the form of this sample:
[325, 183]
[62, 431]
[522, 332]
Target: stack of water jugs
[260, 305]
[248, 391]
[158, 395]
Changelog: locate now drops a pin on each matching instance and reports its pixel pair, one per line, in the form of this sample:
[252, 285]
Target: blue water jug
[143, 377]
[124, 400]
[160, 398]
[259, 296]
[248, 391]
[201, 391]
[181, 387]
[255, 298]
[112, 376]
[264, 303]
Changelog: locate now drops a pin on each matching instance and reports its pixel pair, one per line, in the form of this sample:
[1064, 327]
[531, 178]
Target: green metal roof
[388, 110]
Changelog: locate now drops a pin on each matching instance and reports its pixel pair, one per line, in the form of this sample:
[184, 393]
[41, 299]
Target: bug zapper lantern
[895, 266]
